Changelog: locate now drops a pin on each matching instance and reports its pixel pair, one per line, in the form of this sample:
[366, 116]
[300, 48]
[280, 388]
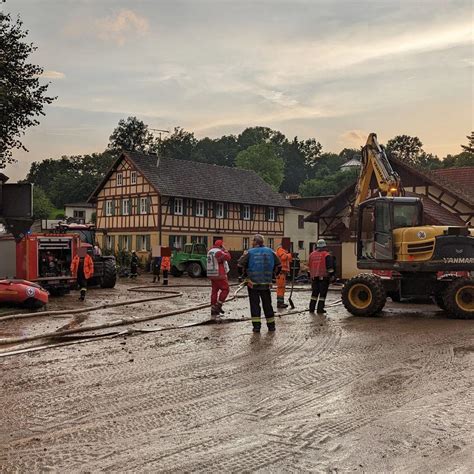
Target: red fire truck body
[46, 260]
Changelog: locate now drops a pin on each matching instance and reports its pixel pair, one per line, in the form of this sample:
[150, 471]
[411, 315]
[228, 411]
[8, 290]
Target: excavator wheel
[109, 277]
[439, 297]
[364, 295]
[459, 299]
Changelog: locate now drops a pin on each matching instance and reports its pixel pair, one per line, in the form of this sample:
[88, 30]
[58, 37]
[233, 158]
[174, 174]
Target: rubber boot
[83, 295]
[312, 306]
[215, 314]
[219, 307]
[321, 309]
[271, 327]
[280, 304]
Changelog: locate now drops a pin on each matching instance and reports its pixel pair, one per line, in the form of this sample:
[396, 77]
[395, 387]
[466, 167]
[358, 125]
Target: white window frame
[109, 241]
[119, 179]
[246, 243]
[109, 207]
[180, 239]
[200, 239]
[178, 206]
[271, 214]
[141, 243]
[302, 247]
[133, 177]
[143, 205]
[126, 207]
[246, 212]
[199, 208]
[271, 242]
[219, 210]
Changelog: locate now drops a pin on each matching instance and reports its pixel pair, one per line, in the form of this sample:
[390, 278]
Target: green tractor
[192, 259]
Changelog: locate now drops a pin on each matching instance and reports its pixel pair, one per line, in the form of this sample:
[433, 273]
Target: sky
[334, 70]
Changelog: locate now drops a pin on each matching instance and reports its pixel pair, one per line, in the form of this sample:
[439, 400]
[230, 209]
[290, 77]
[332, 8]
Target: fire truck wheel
[459, 299]
[364, 295]
[109, 277]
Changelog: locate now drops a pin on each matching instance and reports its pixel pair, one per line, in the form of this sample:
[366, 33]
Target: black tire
[459, 299]
[439, 296]
[438, 299]
[109, 278]
[364, 295]
[175, 272]
[194, 270]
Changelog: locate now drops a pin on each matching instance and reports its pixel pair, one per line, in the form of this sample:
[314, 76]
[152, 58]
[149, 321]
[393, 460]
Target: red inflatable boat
[22, 293]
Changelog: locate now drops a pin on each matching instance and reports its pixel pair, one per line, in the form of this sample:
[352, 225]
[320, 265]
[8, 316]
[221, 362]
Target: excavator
[391, 236]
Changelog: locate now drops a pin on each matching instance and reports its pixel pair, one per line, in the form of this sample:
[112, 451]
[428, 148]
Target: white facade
[82, 212]
[302, 234]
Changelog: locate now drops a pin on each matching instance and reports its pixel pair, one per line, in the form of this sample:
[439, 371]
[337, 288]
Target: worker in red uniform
[217, 269]
[165, 268]
[82, 268]
[285, 258]
[322, 267]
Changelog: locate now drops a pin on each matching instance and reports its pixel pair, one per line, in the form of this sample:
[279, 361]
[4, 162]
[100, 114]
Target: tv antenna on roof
[160, 131]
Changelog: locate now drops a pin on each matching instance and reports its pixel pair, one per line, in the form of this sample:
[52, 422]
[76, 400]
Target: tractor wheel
[109, 278]
[175, 272]
[439, 297]
[364, 295]
[440, 301]
[459, 299]
[194, 270]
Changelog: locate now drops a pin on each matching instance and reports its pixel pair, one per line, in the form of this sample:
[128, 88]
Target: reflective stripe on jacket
[285, 259]
[217, 266]
[317, 264]
[261, 265]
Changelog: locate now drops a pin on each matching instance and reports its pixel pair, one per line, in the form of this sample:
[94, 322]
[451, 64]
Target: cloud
[119, 27]
[354, 138]
[53, 75]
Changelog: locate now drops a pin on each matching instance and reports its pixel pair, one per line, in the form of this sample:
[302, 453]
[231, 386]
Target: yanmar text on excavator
[391, 236]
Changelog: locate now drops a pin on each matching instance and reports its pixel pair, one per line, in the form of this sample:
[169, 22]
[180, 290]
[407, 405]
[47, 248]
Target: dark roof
[312, 203]
[79, 204]
[191, 179]
[460, 177]
[437, 214]
[3, 178]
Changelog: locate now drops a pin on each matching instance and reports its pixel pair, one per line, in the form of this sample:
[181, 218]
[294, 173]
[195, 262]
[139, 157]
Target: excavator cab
[378, 218]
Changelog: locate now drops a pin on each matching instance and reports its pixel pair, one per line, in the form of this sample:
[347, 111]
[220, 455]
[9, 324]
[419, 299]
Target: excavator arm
[375, 163]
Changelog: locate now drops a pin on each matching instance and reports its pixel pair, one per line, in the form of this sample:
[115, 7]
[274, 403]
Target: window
[143, 243]
[271, 213]
[199, 239]
[119, 179]
[80, 214]
[271, 242]
[109, 208]
[125, 242]
[178, 206]
[110, 242]
[300, 222]
[133, 177]
[246, 212]
[300, 244]
[220, 210]
[144, 205]
[126, 207]
[246, 243]
[177, 241]
[200, 208]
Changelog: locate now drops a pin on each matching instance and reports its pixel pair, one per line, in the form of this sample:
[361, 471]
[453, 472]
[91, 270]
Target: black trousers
[165, 277]
[320, 288]
[263, 295]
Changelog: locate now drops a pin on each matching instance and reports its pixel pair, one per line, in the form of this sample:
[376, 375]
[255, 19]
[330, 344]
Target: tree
[180, 145]
[470, 146]
[405, 148]
[131, 135]
[264, 161]
[22, 97]
[328, 185]
[42, 206]
[70, 178]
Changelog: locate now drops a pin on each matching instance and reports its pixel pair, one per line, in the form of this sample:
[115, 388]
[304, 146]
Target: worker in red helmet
[217, 270]
[82, 268]
[322, 268]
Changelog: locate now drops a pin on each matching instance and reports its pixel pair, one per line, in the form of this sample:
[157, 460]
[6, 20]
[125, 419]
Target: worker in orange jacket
[82, 268]
[285, 258]
[165, 268]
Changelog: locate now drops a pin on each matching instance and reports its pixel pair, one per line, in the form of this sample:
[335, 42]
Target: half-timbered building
[146, 201]
[447, 196]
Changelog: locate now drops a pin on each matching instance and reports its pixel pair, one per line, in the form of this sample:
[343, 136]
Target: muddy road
[329, 394]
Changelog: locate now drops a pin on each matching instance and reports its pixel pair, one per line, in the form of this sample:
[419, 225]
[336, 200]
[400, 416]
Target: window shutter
[184, 240]
[252, 212]
[205, 240]
[148, 242]
[103, 207]
[193, 207]
[148, 204]
[185, 207]
[120, 242]
[241, 211]
[213, 209]
[206, 208]
[226, 210]
[113, 207]
[171, 203]
[112, 241]
[267, 213]
[171, 241]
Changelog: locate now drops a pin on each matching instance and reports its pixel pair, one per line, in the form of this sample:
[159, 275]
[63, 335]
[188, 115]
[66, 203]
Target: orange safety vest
[88, 266]
[285, 259]
[166, 263]
[317, 264]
